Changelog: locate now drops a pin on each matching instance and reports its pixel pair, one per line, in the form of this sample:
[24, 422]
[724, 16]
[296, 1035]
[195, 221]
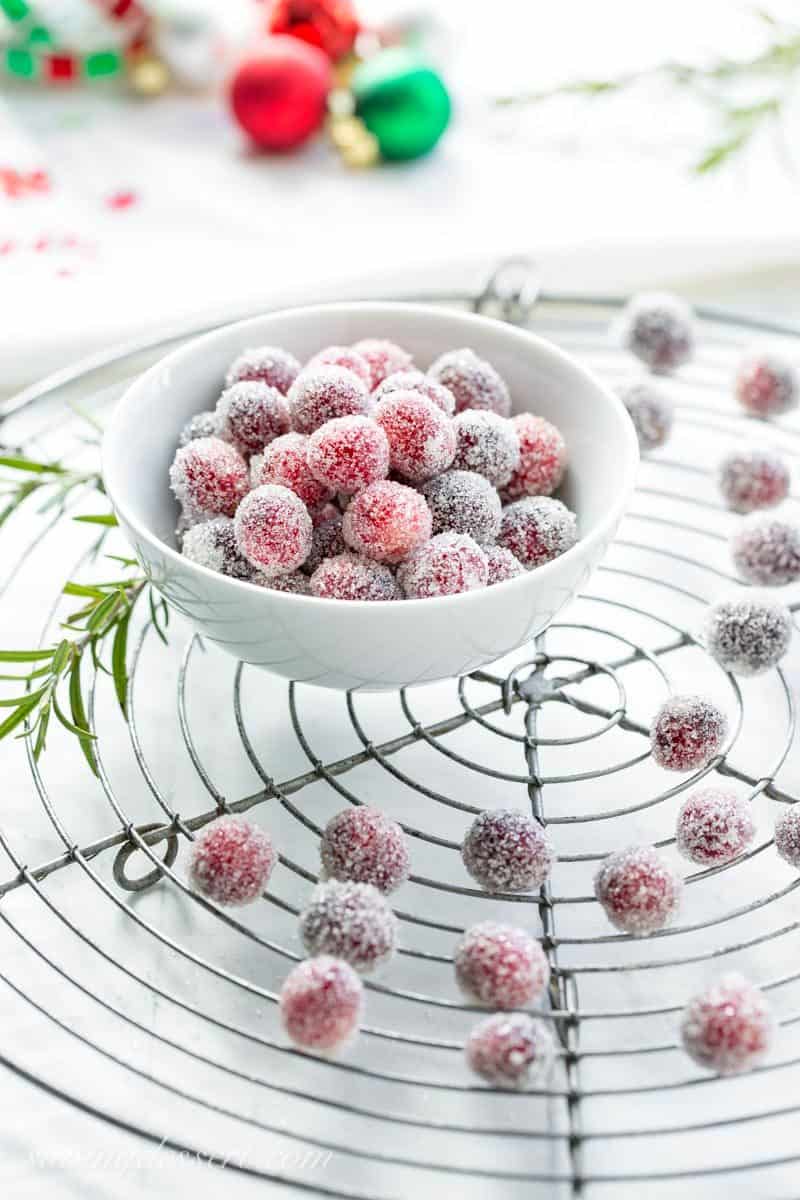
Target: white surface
[216, 230]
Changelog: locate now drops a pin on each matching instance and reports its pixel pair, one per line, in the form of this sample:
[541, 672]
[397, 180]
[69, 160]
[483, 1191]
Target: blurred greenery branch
[775, 69]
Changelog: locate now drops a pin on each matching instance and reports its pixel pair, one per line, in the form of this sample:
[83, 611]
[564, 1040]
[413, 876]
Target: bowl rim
[626, 470]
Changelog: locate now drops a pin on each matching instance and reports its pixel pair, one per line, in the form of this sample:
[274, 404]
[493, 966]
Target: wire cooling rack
[150, 1008]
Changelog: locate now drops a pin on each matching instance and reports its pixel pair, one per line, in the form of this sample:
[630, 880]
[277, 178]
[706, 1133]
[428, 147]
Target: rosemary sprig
[776, 68]
[52, 480]
[103, 617]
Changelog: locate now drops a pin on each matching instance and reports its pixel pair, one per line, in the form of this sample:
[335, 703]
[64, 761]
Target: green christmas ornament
[402, 101]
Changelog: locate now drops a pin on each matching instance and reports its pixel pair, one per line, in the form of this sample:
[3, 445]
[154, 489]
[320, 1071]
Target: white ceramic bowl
[356, 644]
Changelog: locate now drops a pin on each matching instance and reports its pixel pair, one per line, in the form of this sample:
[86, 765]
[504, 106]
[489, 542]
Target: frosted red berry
[753, 479]
[787, 835]
[251, 414]
[488, 444]
[473, 381]
[747, 634]
[463, 502]
[658, 328]
[273, 529]
[506, 850]
[417, 381]
[363, 845]
[209, 476]
[325, 512]
[729, 1027]
[687, 732]
[212, 544]
[231, 861]
[350, 921]
[351, 576]
[326, 542]
[295, 583]
[542, 458]
[501, 966]
[501, 565]
[321, 1003]
[386, 521]
[511, 1050]
[384, 358]
[285, 462]
[766, 383]
[421, 437]
[638, 889]
[321, 393]
[651, 411]
[766, 551]
[348, 453]
[343, 356]
[537, 529]
[201, 425]
[714, 825]
[266, 364]
[444, 566]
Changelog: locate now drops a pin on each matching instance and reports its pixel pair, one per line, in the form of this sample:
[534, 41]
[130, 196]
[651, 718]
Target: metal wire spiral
[167, 1003]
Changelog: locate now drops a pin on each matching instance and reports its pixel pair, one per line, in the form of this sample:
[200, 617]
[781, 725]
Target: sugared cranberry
[658, 328]
[542, 458]
[488, 444]
[326, 542]
[321, 393]
[473, 381]
[687, 732]
[511, 1050]
[463, 502]
[766, 551]
[363, 845]
[350, 921]
[284, 462]
[231, 861]
[766, 383]
[651, 411]
[421, 438]
[209, 476]
[201, 425]
[273, 529]
[417, 381]
[348, 453]
[501, 565]
[351, 576]
[444, 566]
[252, 414]
[501, 966]
[753, 479]
[714, 826]
[384, 358]
[212, 544]
[537, 529]
[747, 634]
[267, 364]
[321, 1003]
[507, 851]
[638, 889]
[729, 1027]
[295, 583]
[387, 521]
[343, 356]
[787, 835]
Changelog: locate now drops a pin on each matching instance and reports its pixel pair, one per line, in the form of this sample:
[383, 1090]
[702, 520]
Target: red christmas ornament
[331, 25]
[278, 94]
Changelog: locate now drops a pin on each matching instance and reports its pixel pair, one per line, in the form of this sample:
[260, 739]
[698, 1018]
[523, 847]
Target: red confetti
[122, 199]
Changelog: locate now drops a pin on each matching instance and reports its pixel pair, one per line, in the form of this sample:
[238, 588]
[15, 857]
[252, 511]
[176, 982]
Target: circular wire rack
[148, 1007]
